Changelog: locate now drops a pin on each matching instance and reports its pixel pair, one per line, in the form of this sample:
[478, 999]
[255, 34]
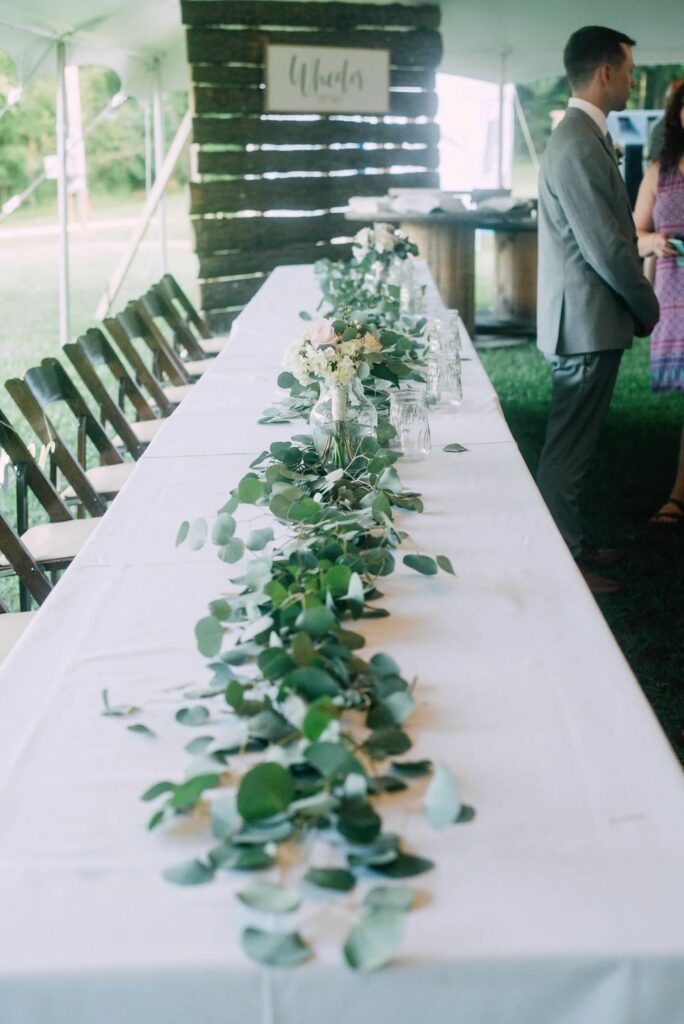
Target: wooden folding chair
[90, 353]
[164, 396]
[52, 545]
[40, 388]
[152, 312]
[186, 323]
[16, 558]
[129, 331]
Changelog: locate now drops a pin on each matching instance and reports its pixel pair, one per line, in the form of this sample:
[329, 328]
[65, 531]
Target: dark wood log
[264, 260]
[217, 234]
[317, 15]
[217, 100]
[220, 320]
[241, 162]
[421, 47]
[237, 76]
[312, 193]
[220, 294]
[324, 131]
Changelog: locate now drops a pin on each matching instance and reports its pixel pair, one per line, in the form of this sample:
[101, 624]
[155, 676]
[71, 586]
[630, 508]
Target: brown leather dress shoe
[599, 558]
[601, 584]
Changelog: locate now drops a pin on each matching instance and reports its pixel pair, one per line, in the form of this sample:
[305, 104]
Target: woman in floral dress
[659, 216]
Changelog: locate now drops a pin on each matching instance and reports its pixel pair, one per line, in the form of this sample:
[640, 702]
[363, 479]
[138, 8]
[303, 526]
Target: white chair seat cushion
[177, 392]
[105, 479]
[12, 625]
[56, 542]
[196, 367]
[212, 346]
[144, 430]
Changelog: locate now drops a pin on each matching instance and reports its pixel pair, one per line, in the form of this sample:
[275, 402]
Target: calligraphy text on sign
[326, 79]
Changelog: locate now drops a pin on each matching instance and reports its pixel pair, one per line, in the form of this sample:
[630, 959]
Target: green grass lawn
[629, 480]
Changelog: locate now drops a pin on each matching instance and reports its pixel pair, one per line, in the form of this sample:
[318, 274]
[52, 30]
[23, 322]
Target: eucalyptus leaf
[276, 949]
[189, 793]
[198, 745]
[197, 534]
[311, 682]
[183, 531]
[250, 489]
[332, 759]
[223, 529]
[421, 563]
[404, 865]
[143, 730]
[444, 564]
[390, 897]
[225, 819]
[258, 539]
[265, 790]
[209, 635]
[315, 621]
[412, 769]
[241, 858]
[442, 802]
[331, 878]
[270, 897]
[196, 715]
[454, 447]
[117, 710]
[374, 940]
[232, 551]
[190, 872]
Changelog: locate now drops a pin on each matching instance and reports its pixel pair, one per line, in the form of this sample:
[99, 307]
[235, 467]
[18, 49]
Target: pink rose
[321, 333]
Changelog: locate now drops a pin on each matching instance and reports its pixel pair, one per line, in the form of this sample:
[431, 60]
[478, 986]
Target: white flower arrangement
[382, 242]
[324, 354]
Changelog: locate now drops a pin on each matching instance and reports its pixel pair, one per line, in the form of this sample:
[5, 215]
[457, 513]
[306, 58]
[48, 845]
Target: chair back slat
[60, 454]
[166, 359]
[175, 292]
[143, 374]
[24, 565]
[183, 334]
[29, 476]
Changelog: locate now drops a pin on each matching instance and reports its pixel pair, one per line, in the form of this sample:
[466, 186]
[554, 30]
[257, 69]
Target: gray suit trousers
[582, 389]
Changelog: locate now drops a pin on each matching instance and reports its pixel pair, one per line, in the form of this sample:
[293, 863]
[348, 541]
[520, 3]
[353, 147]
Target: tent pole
[156, 192]
[148, 147]
[502, 83]
[62, 209]
[524, 127]
[158, 128]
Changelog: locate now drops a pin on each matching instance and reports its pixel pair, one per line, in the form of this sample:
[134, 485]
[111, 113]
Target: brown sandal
[669, 520]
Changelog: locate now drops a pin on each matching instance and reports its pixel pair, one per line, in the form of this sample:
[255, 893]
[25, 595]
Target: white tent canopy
[133, 37]
[523, 40]
[495, 40]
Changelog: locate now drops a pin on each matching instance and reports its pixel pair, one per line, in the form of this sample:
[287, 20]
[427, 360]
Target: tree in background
[114, 150]
[538, 99]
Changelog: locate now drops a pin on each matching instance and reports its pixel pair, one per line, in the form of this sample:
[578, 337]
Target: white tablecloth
[561, 903]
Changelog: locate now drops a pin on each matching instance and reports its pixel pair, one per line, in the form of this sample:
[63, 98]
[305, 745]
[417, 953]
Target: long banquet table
[561, 903]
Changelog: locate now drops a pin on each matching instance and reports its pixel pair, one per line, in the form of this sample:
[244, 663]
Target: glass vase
[340, 420]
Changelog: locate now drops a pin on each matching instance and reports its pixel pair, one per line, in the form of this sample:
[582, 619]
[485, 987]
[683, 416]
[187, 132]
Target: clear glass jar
[409, 416]
[443, 372]
[339, 421]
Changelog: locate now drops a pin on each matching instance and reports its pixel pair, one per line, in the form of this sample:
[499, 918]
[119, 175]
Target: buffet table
[446, 240]
[560, 902]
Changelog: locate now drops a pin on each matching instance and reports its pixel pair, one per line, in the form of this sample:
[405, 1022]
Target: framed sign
[326, 80]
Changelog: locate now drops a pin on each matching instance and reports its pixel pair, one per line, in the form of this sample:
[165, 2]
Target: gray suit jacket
[591, 290]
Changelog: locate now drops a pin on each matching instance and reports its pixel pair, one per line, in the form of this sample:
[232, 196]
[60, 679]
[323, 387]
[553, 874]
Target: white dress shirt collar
[597, 116]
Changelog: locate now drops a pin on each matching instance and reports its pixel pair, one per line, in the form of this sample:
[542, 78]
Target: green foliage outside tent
[114, 149]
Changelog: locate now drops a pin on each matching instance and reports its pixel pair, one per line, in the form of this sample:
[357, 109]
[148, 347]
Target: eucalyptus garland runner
[317, 730]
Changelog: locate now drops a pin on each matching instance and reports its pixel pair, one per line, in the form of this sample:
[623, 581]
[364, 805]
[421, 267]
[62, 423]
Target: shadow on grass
[629, 479]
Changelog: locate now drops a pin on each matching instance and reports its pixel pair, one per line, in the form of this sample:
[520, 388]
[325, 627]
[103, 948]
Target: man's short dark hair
[588, 48]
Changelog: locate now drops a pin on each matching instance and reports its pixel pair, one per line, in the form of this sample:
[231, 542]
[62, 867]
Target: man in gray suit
[592, 295]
